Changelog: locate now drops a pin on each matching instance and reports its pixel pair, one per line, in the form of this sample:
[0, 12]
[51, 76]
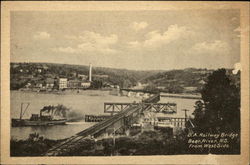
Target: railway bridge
[120, 121]
[123, 116]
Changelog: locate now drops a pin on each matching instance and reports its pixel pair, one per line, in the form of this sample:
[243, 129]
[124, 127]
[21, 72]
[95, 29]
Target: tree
[199, 113]
[126, 83]
[221, 102]
[151, 88]
[96, 84]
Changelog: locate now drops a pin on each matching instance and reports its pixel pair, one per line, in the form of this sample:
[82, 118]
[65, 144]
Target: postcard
[124, 82]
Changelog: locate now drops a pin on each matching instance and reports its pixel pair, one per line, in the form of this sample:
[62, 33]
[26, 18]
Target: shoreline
[181, 95]
[69, 91]
[76, 91]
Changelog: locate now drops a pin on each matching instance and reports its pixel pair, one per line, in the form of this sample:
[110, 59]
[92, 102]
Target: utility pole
[90, 72]
[185, 114]
[113, 150]
[21, 112]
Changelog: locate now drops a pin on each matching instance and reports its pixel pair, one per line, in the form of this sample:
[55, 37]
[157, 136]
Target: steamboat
[49, 115]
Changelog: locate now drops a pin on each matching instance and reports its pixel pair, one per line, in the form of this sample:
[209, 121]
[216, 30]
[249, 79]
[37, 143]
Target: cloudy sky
[140, 40]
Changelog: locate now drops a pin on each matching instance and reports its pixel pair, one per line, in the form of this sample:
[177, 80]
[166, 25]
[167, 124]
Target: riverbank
[181, 95]
[81, 91]
[62, 92]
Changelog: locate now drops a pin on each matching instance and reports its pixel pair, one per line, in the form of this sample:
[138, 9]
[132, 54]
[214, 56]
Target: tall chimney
[90, 72]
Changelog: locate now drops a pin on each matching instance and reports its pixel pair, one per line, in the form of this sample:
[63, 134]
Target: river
[85, 102]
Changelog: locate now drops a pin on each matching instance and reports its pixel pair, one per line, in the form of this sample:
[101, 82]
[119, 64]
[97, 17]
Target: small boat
[49, 115]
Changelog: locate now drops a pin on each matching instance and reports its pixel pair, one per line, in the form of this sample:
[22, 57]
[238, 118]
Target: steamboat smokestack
[90, 72]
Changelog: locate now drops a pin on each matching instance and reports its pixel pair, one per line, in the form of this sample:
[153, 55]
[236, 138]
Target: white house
[85, 84]
[63, 83]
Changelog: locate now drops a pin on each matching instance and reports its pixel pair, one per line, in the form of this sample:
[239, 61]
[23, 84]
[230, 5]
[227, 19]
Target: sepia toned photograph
[111, 83]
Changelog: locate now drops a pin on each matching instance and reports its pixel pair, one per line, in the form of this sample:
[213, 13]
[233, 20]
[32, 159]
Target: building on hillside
[161, 87]
[39, 85]
[50, 82]
[140, 86]
[74, 74]
[28, 85]
[85, 84]
[202, 82]
[15, 65]
[106, 85]
[82, 76]
[74, 84]
[190, 89]
[39, 70]
[63, 82]
[45, 67]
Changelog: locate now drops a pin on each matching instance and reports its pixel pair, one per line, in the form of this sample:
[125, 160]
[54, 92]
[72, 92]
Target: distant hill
[177, 81]
[173, 81]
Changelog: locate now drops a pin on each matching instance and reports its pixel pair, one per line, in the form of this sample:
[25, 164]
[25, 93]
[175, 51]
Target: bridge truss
[154, 107]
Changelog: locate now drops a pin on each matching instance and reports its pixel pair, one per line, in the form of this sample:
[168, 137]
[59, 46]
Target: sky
[138, 40]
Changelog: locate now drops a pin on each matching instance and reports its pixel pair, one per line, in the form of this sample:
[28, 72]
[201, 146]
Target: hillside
[22, 73]
[189, 80]
[178, 81]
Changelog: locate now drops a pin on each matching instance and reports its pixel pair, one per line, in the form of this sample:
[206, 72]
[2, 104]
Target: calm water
[86, 102]
[181, 104]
